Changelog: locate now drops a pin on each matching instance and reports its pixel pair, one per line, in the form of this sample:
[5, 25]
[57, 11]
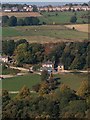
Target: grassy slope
[50, 17]
[62, 18]
[43, 33]
[72, 80]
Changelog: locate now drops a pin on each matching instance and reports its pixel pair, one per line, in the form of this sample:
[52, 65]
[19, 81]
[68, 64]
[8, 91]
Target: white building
[7, 10]
[48, 64]
[4, 59]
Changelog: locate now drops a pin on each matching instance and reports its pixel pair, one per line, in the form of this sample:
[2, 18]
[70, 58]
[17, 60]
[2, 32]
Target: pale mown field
[21, 14]
[80, 27]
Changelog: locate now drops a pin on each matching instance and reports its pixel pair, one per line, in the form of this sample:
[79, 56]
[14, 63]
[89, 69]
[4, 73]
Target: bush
[73, 19]
[12, 21]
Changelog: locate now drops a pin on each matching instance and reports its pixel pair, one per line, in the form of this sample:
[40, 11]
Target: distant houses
[16, 9]
[29, 8]
[7, 10]
[64, 8]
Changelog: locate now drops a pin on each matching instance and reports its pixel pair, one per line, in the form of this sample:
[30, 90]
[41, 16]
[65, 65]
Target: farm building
[7, 10]
[4, 59]
[49, 66]
[60, 67]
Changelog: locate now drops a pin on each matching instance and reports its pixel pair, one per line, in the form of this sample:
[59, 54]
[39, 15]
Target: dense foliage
[47, 103]
[76, 53]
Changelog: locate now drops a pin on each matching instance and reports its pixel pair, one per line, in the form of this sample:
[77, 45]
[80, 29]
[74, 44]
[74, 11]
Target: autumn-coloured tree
[43, 88]
[24, 93]
[83, 91]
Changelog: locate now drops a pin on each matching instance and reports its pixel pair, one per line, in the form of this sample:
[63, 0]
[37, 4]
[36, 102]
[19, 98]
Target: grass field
[16, 83]
[63, 17]
[73, 80]
[51, 17]
[47, 33]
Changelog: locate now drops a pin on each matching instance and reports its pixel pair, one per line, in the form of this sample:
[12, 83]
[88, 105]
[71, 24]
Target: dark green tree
[5, 20]
[44, 75]
[8, 47]
[73, 19]
[20, 22]
[12, 21]
[27, 21]
[35, 9]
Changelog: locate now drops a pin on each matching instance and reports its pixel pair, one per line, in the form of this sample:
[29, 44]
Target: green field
[73, 80]
[50, 33]
[16, 83]
[62, 17]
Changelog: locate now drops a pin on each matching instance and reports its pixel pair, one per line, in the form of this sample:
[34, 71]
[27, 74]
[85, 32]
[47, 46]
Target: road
[39, 73]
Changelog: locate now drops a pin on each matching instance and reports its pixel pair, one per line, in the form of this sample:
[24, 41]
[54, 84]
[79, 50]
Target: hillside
[43, 34]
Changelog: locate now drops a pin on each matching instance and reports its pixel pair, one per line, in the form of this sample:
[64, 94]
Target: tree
[43, 88]
[21, 54]
[24, 93]
[5, 96]
[73, 19]
[4, 47]
[35, 9]
[85, 4]
[20, 42]
[36, 87]
[5, 20]
[52, 109]
[67, 92]
[8, 47]
[37, 53]
[31, 21]
[44, 75]
[35, 21]
[83, 91]
[12, 21]
[77, 62]
[27, 21]
[75, 107]
[20, 22]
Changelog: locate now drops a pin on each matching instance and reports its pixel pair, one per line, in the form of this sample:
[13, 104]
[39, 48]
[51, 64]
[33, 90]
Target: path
[19, 68]
[16, 92]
